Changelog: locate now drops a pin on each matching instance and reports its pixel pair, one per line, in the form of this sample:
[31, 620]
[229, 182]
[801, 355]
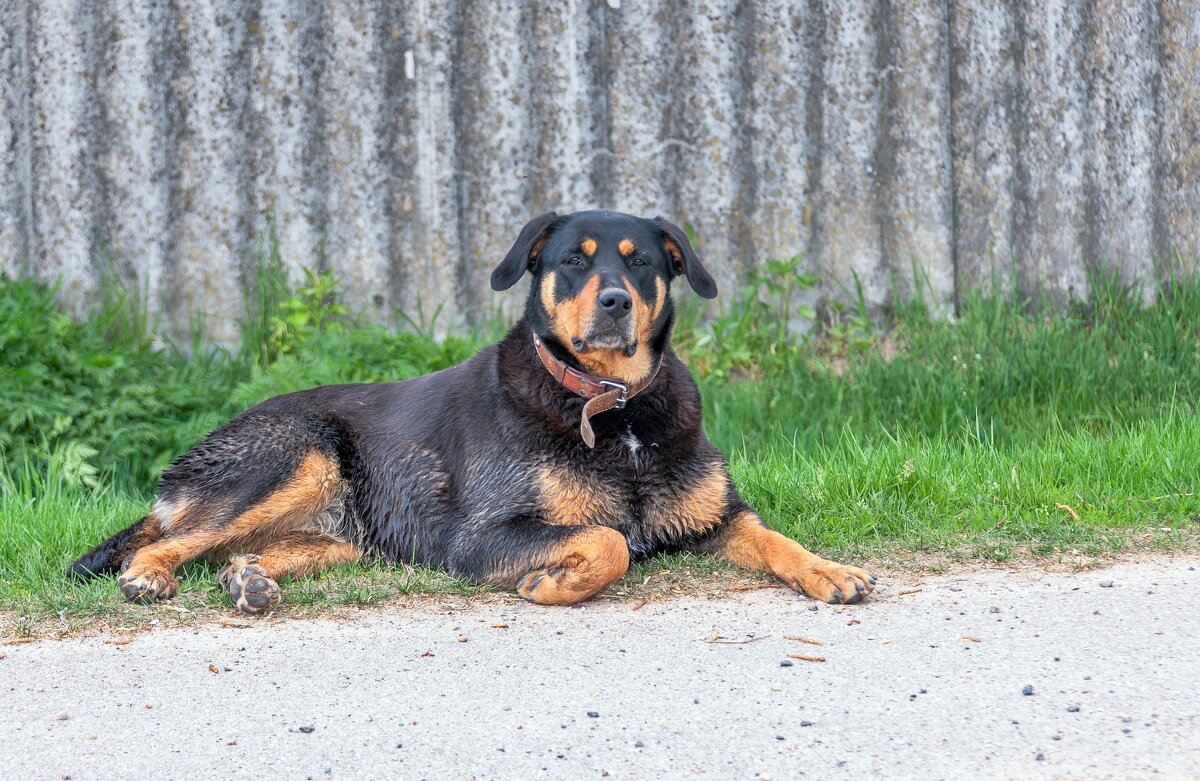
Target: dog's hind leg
[307, 499]
[150, 575]
[252, 580]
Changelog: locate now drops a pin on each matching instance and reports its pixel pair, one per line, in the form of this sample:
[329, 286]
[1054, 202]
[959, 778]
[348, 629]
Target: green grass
[1003, 432]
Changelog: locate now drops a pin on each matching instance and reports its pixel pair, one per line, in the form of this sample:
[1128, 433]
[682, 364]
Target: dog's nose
[615, 302]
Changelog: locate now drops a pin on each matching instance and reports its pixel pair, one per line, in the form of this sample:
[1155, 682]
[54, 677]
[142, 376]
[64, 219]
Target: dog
[544, 464]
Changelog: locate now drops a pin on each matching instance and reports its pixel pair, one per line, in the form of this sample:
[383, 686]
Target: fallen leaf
[212, 668]
[641, 604]
[499, 626]
[126, 641]
[907, 591]
[804, 658]
[972, 638]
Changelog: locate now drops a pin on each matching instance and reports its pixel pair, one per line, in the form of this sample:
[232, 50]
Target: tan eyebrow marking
[588, 246]
[625, 247]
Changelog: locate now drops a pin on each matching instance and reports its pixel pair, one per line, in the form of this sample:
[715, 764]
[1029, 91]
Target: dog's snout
[615, 302]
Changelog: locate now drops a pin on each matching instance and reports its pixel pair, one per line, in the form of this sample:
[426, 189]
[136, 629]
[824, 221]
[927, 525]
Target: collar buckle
[623, 397]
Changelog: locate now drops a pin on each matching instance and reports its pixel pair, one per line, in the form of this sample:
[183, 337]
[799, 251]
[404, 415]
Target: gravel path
[993, 674]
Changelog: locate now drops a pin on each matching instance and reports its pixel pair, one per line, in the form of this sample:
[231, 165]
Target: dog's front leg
[744, 539]
[546, 563]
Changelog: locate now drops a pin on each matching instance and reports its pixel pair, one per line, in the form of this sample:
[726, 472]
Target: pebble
[787, 663]
[806, 724]
[593, 714]
[993, 609]
[1106, 584]
[814, 608]
[1028, 690]
[1072, 709]
[308, 730]
[639, 744]
[63, 716]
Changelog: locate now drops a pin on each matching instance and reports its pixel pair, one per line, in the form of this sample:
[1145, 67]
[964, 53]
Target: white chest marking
[634, 444]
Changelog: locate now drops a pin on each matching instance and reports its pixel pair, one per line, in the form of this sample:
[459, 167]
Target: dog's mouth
[607, 336]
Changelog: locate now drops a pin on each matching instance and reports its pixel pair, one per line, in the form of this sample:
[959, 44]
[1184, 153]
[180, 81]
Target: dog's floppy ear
[684, 259]
[520, 257]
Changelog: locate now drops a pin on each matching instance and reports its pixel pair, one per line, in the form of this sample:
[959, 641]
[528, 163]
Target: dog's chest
[637, 487]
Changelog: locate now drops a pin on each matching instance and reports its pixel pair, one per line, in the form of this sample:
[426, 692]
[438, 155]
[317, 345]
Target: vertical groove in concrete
[405, 144]
[1050, 216]
[426, 242]
[14, 118]
[777, 72]
[1179, 130]
[599, 61]
[704, 156]
[561, 107]
[353, 89]
[495, 149]
[1120, 208]
[63, 200]
[983, 145]
[849, 221]
[917, 236]
[642, 48]
[131, 166]
[283, 121]
[210, 242]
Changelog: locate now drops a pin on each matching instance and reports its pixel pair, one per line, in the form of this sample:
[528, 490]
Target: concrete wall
[403, 144]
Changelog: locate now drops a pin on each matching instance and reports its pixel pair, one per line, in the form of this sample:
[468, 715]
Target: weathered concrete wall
[404, 144]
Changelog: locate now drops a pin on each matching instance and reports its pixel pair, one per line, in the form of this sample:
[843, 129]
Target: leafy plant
[311, 310]
[757, 331]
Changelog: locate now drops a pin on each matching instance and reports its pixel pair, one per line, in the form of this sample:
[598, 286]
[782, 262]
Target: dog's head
[602, 286]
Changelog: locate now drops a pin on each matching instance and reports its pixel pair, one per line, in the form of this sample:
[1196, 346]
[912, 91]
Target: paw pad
[250, 587]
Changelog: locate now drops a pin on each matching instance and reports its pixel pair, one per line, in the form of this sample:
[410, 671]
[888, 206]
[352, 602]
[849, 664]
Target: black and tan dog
[545, 463]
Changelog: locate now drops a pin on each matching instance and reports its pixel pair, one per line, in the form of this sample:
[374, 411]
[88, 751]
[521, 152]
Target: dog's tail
[107, 557]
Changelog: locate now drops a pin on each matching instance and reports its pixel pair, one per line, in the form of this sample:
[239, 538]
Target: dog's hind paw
[837, 584]
[249, 587]
[147, 586]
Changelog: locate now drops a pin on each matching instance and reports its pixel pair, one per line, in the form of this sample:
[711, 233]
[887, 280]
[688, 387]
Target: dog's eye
[638, 262]
[574, 260]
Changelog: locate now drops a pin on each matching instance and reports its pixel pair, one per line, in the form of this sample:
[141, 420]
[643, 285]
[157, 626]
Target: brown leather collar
[602, 394]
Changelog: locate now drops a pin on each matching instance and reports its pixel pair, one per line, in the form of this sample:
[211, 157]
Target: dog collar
[602, 394]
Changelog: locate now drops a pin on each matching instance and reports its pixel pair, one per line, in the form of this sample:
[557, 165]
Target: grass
[1002, 432]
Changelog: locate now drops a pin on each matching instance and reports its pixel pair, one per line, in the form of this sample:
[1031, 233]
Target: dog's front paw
[249, 587]
[146, 586]
[837, 584]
